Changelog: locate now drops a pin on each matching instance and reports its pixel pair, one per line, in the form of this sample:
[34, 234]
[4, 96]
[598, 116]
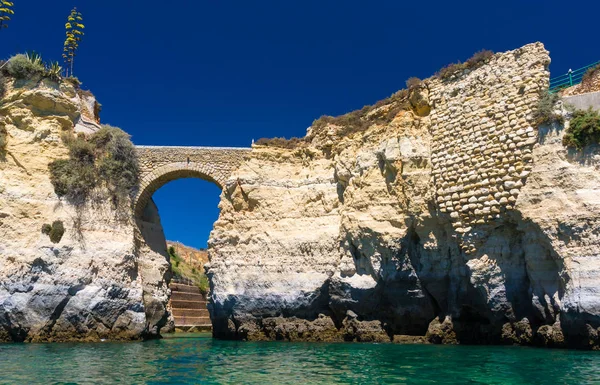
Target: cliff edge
[66, 273]
[443, 213]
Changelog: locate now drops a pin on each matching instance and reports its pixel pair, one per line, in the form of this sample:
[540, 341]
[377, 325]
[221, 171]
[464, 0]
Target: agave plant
[5, 12]
[35, 58]
[54, 71]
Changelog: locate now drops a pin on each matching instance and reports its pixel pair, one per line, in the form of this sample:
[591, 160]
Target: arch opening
[188, 202]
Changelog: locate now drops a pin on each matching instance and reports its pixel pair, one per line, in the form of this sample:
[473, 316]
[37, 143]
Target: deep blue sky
[220, 73]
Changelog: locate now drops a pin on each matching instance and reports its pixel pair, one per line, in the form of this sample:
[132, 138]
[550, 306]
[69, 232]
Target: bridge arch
[160, 165]
[165, 174]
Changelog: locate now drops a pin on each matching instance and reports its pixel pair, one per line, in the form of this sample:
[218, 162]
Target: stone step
[184, 288]
[192, 321]
[190, 312]
[183, 296]
[188, 304]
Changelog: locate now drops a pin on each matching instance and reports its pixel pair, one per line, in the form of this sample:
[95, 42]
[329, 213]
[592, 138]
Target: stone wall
[162, 164]
[457, 221]
[483, 133]
[584, 101]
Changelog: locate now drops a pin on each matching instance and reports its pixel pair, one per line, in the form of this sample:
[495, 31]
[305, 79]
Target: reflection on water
[201, 360]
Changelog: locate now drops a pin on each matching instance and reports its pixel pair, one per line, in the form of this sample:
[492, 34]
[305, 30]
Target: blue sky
[221, 73]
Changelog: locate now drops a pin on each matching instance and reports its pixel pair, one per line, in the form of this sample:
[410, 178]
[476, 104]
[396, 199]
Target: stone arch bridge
[161, 164]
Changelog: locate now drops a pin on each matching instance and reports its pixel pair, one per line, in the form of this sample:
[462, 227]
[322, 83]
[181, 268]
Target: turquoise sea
[201, 360]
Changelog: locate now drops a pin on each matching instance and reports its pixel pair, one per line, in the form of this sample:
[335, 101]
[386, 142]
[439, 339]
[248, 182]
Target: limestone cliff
[456, 218]
[101, 280]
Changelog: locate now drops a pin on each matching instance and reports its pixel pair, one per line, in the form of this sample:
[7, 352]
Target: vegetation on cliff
[584, 129]
[31, 67]
[478, 59]
[545, 112]
[74, 32]
[105, 159]
[6, 12]
[382, 112]
[290, 144]
[55, 231]
[187, 270]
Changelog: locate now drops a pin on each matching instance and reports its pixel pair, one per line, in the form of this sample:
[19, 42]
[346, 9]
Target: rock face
[101, 280]
[457, 221]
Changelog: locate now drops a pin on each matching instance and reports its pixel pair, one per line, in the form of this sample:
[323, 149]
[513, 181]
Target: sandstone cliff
[101, 280]
[456, 218]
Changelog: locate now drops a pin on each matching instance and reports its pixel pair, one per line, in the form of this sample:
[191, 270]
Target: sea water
[185, 359]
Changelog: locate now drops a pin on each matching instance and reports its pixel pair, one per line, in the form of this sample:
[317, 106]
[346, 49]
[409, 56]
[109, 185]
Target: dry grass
[361, 120]
[289, 144]
[478, 59]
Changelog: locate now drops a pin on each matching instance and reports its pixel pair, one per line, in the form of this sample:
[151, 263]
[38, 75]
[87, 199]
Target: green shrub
[590, 74]
[80, 150]
[54, 71]
[584, 129]
[203, 284]
[474, 61]
[57, 231]
[73, 179]
[107, 159]
[46, 229]
[544, 112]
[23, 67]
[118, 167]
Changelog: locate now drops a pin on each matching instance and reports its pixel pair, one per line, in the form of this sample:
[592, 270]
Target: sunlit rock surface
[458, 220]
[101, 281]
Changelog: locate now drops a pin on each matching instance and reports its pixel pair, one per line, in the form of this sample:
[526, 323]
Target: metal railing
[569, 79]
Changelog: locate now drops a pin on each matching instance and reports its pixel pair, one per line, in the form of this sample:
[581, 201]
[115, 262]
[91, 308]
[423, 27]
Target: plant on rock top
[74, 30]
[106, 159]
[5, 13]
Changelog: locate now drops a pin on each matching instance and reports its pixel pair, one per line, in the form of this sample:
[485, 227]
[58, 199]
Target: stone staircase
[189, 307]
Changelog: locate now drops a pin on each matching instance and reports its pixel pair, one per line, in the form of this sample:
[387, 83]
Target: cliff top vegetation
[382, 112]
[105, 159]
[188, 270]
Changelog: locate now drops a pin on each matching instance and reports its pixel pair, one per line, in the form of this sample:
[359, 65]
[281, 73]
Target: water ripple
[207, 361]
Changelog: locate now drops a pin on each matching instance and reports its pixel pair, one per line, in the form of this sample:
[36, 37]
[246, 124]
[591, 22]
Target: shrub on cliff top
[106, 159]
[24, 67]
[474, 61]
[584, 129]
